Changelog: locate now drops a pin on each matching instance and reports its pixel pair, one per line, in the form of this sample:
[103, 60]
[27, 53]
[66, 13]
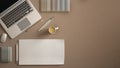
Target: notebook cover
[41, 52]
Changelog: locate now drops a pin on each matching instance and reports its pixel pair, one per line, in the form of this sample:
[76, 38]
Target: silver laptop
[17, 15]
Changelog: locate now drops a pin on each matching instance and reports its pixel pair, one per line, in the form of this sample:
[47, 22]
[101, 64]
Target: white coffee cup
[53, 29]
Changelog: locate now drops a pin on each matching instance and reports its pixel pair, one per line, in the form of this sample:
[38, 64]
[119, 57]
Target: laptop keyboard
[16, 14]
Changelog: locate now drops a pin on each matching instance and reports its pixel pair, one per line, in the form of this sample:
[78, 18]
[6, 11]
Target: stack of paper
[41, 52]
[55, 5]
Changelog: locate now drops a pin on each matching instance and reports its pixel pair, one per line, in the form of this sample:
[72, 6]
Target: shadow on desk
[43, 33]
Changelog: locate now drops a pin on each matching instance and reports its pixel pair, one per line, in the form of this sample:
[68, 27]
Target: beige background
[91, 31]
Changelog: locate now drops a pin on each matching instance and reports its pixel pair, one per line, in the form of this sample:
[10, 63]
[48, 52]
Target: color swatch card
[55, 5]
[41, 52]
[6, 54]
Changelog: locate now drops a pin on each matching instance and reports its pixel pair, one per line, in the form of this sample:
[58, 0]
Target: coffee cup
[53, 29]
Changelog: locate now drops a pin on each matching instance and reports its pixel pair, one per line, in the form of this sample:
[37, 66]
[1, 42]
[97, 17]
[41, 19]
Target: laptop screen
[4, 4]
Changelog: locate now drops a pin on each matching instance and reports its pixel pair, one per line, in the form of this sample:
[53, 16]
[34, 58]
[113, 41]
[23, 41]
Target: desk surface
[91, 32]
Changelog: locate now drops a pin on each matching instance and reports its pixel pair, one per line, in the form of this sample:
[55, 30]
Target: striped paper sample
[62, 5]
[48, 5]
[6, 54]
[58, 5]
[43, 5]
[67, 5]
[55, 5]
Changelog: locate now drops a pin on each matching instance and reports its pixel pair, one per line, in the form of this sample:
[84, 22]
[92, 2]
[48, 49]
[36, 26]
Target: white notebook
[41, 52]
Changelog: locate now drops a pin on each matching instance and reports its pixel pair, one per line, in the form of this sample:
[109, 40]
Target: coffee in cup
[53, 29]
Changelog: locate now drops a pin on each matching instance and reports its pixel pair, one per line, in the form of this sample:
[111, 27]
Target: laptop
[16, 16]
